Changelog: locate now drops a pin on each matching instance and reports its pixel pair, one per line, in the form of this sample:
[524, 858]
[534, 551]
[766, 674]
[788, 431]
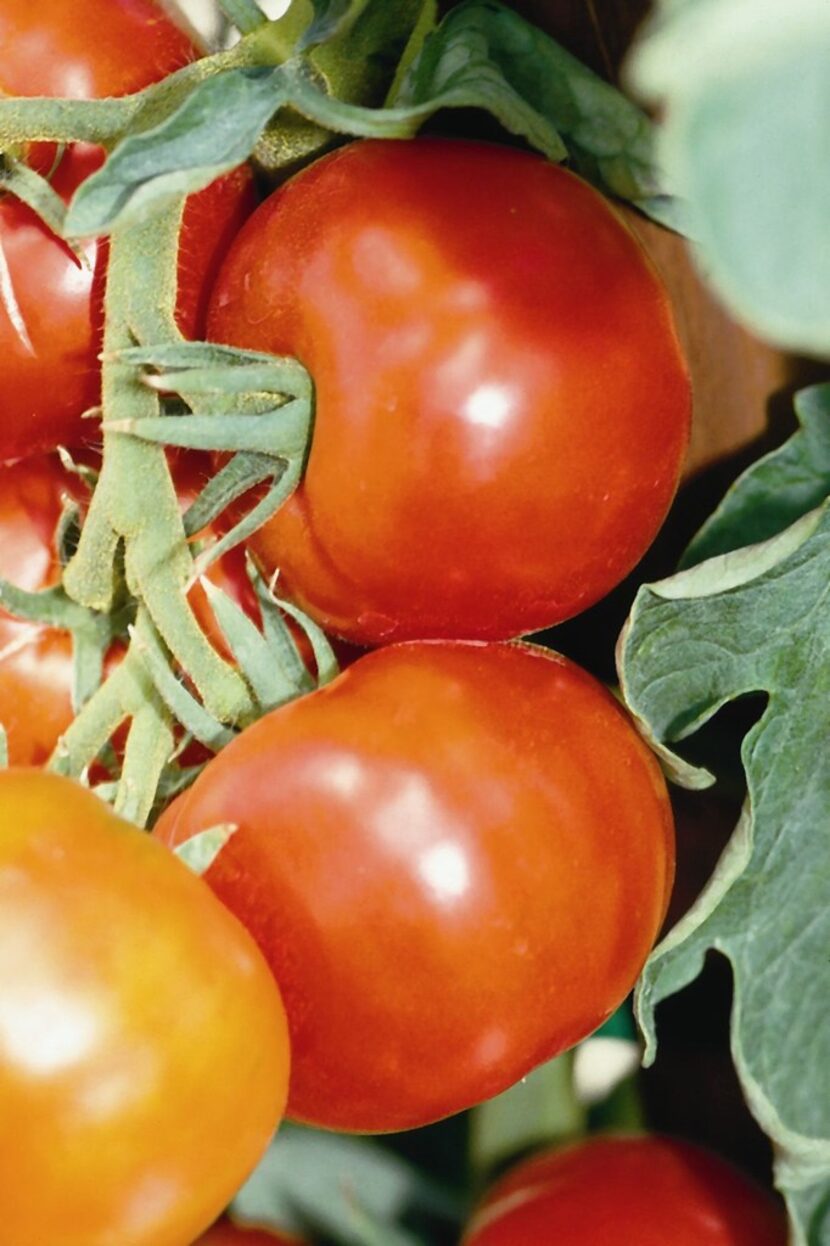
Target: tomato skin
[35, 660]
[650, 1190]
[78, 50]
[228, 1233]
[455, 858]
[143, 1045]
[51, 307]
[502, 405]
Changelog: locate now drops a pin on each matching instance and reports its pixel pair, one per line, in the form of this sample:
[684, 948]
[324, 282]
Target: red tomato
[35, 661]
[627, 1192]
[143, 1045]
[229, 1233]
[455, 858]
[51, 307]
[502, 405]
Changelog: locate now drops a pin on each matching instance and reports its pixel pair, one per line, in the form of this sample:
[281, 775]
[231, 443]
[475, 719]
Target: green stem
[246, 15]
[135, 501]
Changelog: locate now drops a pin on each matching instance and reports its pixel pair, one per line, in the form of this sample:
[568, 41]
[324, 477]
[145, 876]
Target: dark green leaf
[484, 55]
[778, 489]
[331, 18]
[756, 621]
[352, 1190]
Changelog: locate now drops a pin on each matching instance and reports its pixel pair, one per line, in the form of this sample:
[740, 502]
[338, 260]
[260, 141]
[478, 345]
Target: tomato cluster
[448, 865]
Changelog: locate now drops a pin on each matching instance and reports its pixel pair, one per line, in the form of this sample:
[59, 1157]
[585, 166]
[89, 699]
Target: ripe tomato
[228, 1233]
[35, 660]
[143, 1044]
[650, 1191]
[502, 405]
[51, 307]
[455, 858]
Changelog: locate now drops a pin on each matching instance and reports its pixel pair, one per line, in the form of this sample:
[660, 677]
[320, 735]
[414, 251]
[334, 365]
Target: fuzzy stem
[135, 501]
[246, 15]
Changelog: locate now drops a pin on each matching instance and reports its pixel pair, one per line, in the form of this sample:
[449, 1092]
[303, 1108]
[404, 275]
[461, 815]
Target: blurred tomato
[626, 1191]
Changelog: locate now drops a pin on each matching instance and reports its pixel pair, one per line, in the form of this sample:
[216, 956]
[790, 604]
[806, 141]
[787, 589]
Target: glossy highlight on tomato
[143, 1044]
[455, 858]
[51, 305]
[502, 407]
[648, 1191]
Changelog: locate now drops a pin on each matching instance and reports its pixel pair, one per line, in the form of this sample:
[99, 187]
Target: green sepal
[4, 748]
[234, 478]
[276, 631]
[261, 667]
[36, 192]
[182, 704]
[200, 851]
[325, 659]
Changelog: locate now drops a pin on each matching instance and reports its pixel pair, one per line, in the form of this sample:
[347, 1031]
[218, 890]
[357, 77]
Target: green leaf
[777, 489]
[484, 55]
[757, 621]
[353, 1191]
[212, 132]
[746, 93]
[331, 18]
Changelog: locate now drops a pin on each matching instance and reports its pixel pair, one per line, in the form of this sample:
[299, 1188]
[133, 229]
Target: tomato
[502, 405]
[648, 1191]
[143, 1044]
[228, 1233]
[455, 858]
[51, 307]
[35, 660]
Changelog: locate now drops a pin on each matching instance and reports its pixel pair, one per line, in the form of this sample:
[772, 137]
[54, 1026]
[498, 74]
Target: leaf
[481, 56]
[540, 1109]
[331, 18]
[353, 1191]
[757, 620]
[484, 55]
[212, 132]
[746, 92]
[777, 489]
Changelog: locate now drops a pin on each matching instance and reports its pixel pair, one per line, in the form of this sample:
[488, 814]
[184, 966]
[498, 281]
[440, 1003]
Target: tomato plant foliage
[748, 621]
